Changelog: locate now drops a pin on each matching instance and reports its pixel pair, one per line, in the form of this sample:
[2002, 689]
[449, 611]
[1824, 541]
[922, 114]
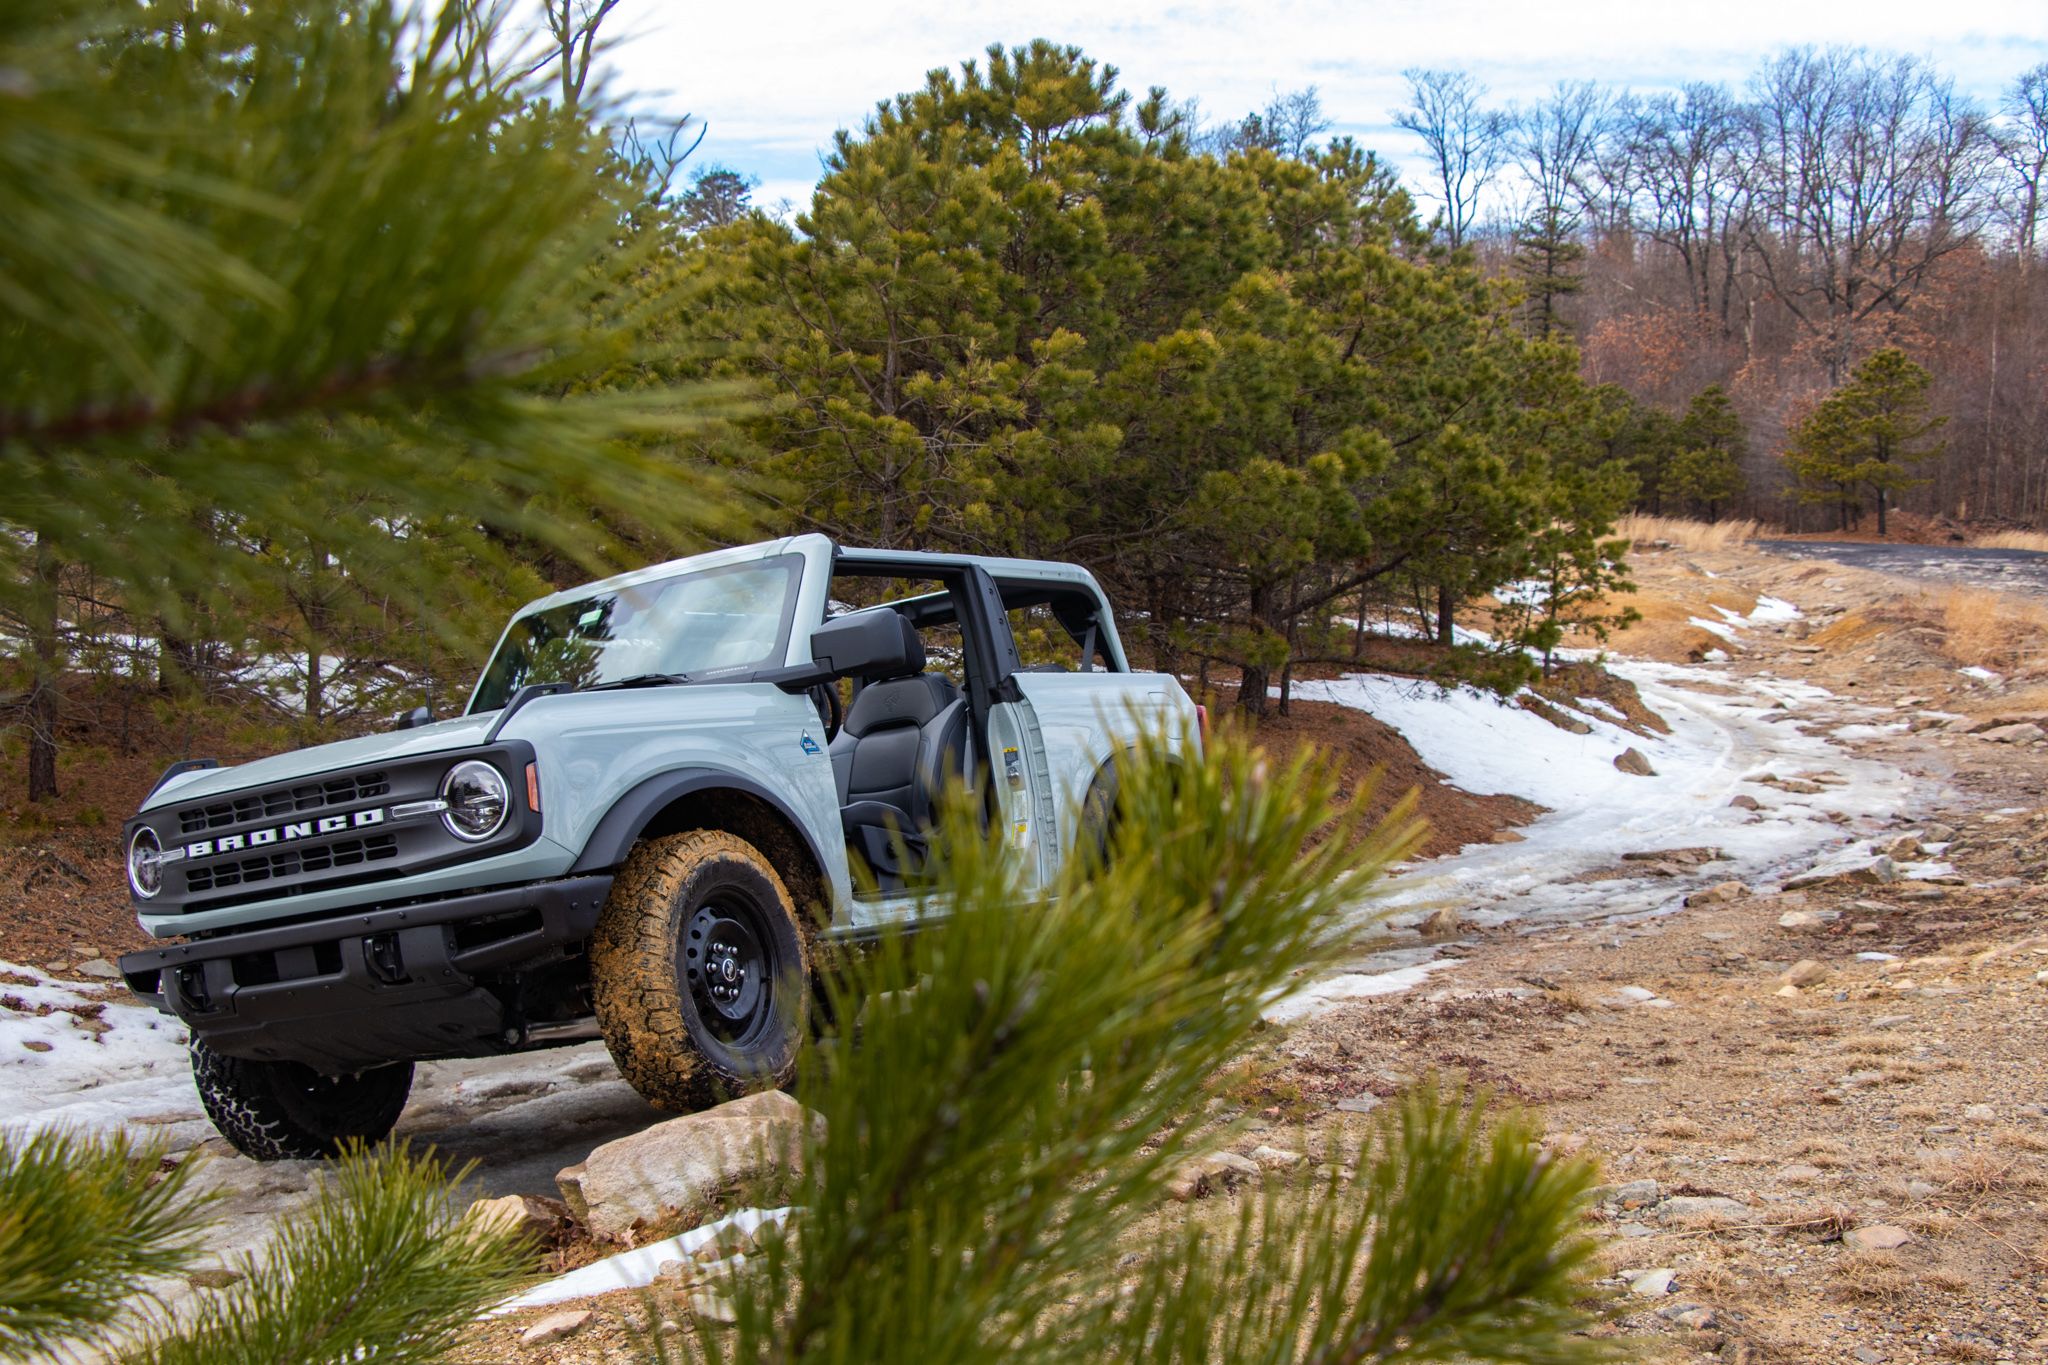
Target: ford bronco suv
[669, 790]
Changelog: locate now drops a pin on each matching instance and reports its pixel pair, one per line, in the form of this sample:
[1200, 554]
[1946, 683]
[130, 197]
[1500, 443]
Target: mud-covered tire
[283, 1111]
[700, 970]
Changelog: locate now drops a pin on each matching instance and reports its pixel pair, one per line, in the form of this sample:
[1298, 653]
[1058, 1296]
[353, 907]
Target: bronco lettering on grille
[298, 829]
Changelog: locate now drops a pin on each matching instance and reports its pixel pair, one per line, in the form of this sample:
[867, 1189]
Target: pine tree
[381, 1267]
[1867, 437]
[1706, 468]
[296, 272]
[994, 1146]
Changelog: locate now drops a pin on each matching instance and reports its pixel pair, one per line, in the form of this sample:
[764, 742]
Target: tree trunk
[1446, 616]
[1251, 690]
[1286, 685]
[1880, 512]
[48, 661]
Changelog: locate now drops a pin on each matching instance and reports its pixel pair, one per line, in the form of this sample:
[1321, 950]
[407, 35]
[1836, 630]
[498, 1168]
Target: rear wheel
[700, 968]
[283, 1111]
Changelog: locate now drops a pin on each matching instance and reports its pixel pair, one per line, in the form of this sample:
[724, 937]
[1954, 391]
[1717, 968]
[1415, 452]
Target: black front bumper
[357, 990]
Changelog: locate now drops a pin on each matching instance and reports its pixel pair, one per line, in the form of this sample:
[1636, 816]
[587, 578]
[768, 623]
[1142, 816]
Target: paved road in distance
[2023, 571]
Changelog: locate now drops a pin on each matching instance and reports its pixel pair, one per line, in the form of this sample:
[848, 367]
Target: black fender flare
[622, 825]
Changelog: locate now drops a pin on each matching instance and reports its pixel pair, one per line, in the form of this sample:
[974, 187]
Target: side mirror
[877, 643]
[413, 719]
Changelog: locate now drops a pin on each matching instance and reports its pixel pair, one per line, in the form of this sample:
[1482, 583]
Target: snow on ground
[638, 1268]
[1720, 746]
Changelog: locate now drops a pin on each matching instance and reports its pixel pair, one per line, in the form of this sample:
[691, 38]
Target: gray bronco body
[327, 907]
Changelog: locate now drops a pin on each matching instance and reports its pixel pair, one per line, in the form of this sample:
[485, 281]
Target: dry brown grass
[1874, 1275]
[2012, 540]
[1687, 535]
[1676, 1128]
[1990, 630]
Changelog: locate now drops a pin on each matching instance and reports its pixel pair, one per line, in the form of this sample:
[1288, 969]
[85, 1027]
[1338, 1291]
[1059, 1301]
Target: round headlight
[478, 800]
[145, 863]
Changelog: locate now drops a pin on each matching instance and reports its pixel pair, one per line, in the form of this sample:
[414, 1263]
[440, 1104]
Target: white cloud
[774, 82]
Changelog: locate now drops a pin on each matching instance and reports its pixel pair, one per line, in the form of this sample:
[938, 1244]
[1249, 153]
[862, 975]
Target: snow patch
[637, 1268]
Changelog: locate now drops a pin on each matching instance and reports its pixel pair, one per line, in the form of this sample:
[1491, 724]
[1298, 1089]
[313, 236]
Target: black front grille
[292, 862]
[334, 791]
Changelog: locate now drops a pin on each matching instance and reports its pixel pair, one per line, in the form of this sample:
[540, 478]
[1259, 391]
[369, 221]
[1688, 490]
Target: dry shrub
[1687, 535]
[1676, 1128]
[1986, 629]
[1740, 1132]
[1872, 1044]
[1972, 1172]
[2022, 1139]
[2012, 540]
[1874, 1275]
[1919, 1111]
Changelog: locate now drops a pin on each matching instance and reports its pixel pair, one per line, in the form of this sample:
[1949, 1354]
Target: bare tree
[2022, 143]
[572, 27]
[1289, 126]
[1869, 175]
[1556, 144]
[1467, 143]
[1688, 185]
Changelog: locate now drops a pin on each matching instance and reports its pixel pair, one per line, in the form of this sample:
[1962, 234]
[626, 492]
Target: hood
[461, 732]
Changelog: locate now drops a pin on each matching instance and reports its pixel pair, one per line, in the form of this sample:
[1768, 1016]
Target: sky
[772, 82]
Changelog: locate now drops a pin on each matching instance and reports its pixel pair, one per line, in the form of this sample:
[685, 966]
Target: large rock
[1858, 868]
[2003, 734]
[1804, 972]
[684, 1163]
[1632, 762]
[527, 1216]
[1212, 1174]
[1876, 1237]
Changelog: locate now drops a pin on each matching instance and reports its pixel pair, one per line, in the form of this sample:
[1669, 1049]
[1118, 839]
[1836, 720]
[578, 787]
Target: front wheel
[699, 970]
[283, 1111]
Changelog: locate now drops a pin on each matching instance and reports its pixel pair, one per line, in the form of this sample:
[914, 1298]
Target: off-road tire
[284, 1111]
[651, 977]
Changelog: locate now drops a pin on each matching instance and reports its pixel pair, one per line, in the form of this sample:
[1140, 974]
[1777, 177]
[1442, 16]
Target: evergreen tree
[718, 197]
[292, 273]
[1705, 470]
[1867, 437]
[984, 1184]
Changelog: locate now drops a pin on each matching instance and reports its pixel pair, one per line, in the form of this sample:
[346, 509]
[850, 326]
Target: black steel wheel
[700, 969]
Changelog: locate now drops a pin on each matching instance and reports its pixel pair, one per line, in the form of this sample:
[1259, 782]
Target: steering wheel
[829, 709]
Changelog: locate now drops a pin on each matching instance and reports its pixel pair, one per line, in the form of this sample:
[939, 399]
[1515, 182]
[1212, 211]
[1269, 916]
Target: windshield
[713, 621]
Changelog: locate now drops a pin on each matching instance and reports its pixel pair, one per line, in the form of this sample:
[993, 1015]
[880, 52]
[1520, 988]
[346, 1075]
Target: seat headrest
[913, 649]
[901, 701]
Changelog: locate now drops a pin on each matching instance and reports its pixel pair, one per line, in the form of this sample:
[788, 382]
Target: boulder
[1701, 1208]
[533, 1218]
[1807, 919]
[1876, 1237]
[1632, 762]
[1441, 923]
[555, 1326]
[1863, 869]
[2024, 733]
[1720, 893]
[1744, 801]
[684, 1162]
[1804, 972]
[1276, 1158]
[1211, 1174]
[1652, 1283]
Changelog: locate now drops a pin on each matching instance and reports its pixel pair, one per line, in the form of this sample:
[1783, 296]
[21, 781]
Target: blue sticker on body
[810, 746]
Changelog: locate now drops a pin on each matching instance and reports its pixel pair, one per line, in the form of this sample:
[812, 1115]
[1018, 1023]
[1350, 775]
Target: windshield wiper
[639, 680]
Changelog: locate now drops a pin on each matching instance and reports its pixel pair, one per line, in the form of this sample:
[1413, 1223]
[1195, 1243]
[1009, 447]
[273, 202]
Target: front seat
[903, 738]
